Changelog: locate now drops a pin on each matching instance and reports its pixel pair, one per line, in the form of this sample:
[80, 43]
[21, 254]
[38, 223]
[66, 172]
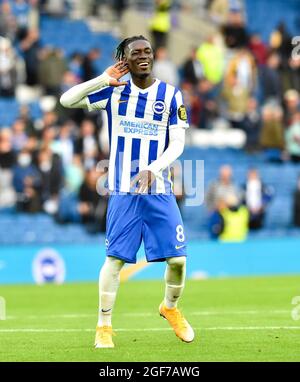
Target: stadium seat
[262, 21]
[9, 111]
[85, 39]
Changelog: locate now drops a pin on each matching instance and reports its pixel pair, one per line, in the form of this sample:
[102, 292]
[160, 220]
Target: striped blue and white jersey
[139, 121]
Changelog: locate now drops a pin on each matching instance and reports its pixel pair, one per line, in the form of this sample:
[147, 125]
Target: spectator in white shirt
[257, 197]
[164, 69]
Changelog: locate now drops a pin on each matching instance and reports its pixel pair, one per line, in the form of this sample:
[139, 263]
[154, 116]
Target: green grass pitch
[237, 319]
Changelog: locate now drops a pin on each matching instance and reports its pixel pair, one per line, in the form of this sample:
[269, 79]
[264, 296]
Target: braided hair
[120, 50]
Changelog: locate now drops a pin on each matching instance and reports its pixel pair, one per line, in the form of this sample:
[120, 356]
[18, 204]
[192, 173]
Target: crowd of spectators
[50, 164]
[53, 170]
[249, 83]
[47, 164]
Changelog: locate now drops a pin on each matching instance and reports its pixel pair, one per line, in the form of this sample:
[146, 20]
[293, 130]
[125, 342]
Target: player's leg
[109, 279]
[164, 239]
[123, 239]
[175, 279]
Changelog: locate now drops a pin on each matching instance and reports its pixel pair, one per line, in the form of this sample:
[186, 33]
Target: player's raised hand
[142, 181]
[117, 71]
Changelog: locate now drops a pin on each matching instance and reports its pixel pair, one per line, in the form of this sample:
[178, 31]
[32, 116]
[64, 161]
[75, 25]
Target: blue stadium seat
[260, 19]
[84, 41]
[9, 111]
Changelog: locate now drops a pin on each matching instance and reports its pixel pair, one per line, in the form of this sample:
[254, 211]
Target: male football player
[147, 122]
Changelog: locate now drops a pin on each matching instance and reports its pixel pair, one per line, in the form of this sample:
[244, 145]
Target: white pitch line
[214, 328]
[253, 328]
[149, 314]
[38, 317]
[240, 312]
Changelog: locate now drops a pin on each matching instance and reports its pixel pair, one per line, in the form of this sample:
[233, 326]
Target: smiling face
[139, 57]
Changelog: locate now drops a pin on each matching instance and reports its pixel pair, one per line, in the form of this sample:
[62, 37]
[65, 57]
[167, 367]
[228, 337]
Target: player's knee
[177, 262]
[115, 264]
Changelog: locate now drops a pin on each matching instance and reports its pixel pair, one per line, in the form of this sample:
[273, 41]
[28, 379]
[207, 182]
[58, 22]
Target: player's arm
[145, 178]
[173, 151]
[177, 127]
[77, 96]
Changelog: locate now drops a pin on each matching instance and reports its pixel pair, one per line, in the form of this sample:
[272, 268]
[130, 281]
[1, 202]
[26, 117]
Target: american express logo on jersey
[144, 128]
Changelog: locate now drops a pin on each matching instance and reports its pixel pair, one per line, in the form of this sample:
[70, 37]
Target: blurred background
[233, 60]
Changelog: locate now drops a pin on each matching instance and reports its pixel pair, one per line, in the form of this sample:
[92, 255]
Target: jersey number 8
[180, 233]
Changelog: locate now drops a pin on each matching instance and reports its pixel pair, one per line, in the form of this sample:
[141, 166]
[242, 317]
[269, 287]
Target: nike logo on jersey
[179, 246]
[122, 101]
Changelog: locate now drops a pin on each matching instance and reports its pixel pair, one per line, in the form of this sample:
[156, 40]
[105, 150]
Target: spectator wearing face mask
[27, 182]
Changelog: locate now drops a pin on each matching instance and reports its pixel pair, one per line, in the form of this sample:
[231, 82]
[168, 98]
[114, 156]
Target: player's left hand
[142, 181]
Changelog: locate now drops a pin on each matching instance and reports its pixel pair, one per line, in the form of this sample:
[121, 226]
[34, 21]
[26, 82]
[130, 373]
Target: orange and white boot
[104, 337]
[181, 327]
